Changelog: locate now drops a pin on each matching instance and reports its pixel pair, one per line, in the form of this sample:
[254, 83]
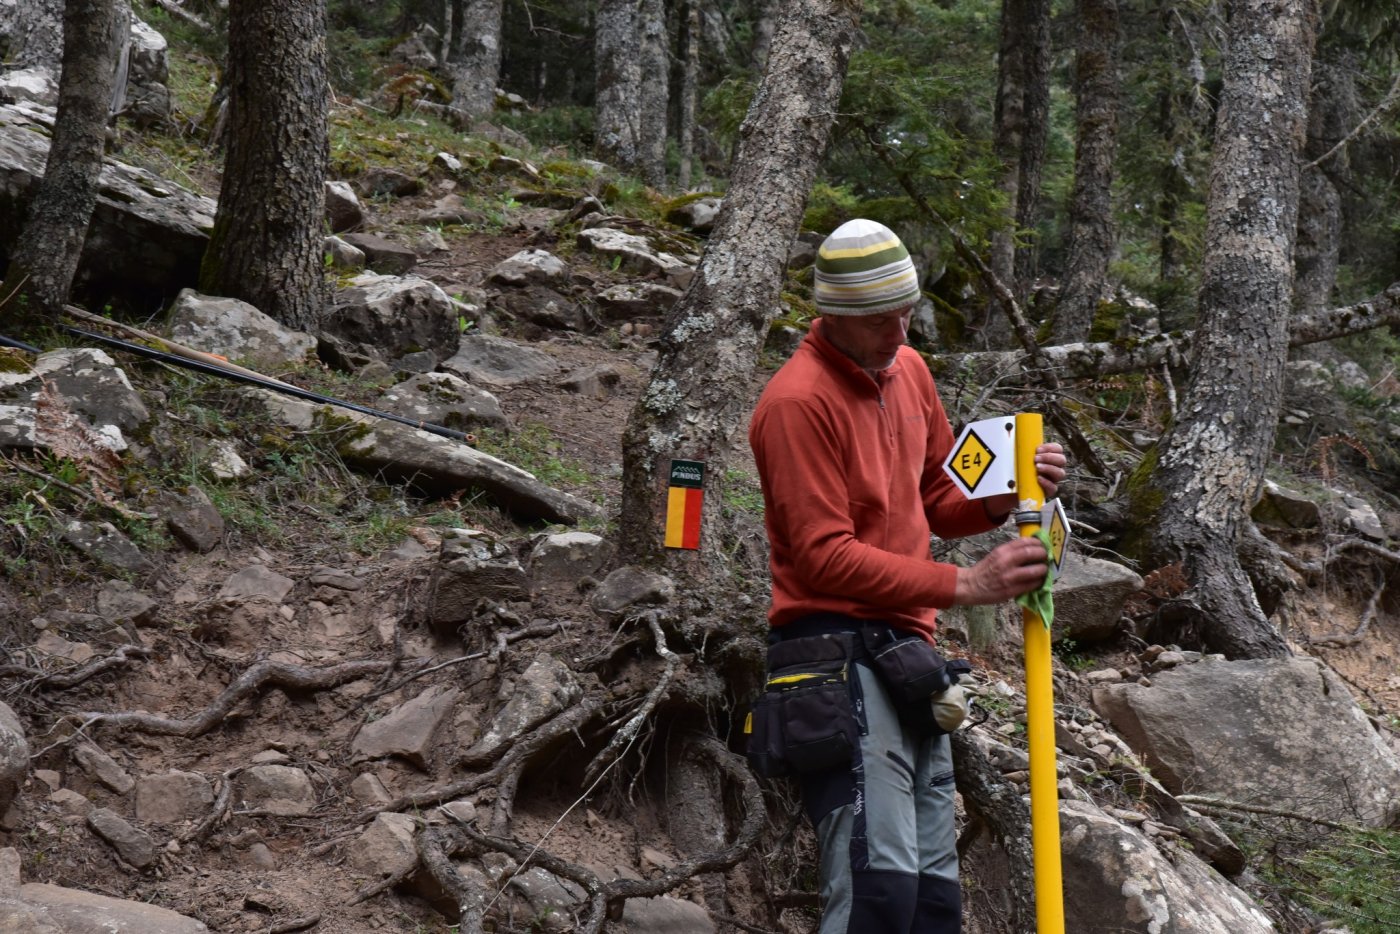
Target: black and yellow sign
[1056, 525]
[983, 459]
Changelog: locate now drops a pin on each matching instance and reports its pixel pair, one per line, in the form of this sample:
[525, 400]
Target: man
[850, 439]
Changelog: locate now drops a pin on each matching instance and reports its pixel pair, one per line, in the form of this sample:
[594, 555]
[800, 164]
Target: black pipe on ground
[21, 345]
[294, 391]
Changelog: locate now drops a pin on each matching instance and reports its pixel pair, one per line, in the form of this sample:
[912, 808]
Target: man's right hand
[1009, 570]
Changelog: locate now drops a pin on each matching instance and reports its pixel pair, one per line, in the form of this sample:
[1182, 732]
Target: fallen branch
[1208, 804]
[175, 9]
[116, 507]
[257, 678]
[73, 677]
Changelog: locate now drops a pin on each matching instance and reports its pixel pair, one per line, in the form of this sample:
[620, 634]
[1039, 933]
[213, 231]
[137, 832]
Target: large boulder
[235, 329]
[1259, 731]
[1089, 598]
[66, 394]
[147, 235]
[388, 317]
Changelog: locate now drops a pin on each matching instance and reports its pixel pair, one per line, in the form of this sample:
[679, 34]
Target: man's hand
[1009, 570]
[1050, 463]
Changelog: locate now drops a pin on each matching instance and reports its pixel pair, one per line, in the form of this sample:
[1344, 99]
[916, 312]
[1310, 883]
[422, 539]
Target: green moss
[13, 360]
[1108, 321]
[1144, 502]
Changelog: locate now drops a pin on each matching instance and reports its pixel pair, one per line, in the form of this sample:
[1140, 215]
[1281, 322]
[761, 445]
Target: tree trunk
[618, 107]
[1316, 255]
[266, 244]
[1022, 106]
[477, 69]
[694, 401]
[1096, 141]
[1211, 462]
[765, 16]
[47, 252]
[654, 91]
[690, 44]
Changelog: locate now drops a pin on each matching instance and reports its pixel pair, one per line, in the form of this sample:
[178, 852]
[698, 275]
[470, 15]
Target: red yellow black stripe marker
[685, 497]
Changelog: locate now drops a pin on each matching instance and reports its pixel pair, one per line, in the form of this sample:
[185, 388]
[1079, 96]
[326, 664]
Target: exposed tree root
[217, 814]
[436, 847]
[624, 736]
[1220, 806]
[295, 924]
[256, 679]
[1343, 639]
[75, 676]
[998, 805]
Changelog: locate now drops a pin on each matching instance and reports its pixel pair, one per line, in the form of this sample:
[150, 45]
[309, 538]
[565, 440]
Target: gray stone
[148, 71]
[665, 915]
[193, 519]
[387, 846]
[434, 464]
[448, 210]
[256, 582]
[388, 316]
[488, 360]
[595, 382]
[635, 254]
[1089, 598]
[71, 911]
[383, 256]
[173, 797]
[368, 790]
[70, 802]
[101, 542]
[37, 85]
[531, 267]
[546, 689]
[472, 567]
[543, 306]
[102, 768]
[14, 757]
[343, 209]
[119, 601]
[629, 587]
[81, 382]
[565, 557]
[382, 181]
[342, 254]
[409, 730]
[237, 330]
[1115, 879]
[1256, 731]
[133, 846]
[224, 462]
[636, 300]
[277, 789]
[147, 235]
[699, 215]
[446, 400]
[1279, 506]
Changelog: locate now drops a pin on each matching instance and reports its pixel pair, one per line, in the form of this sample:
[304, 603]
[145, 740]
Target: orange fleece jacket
[853, 483]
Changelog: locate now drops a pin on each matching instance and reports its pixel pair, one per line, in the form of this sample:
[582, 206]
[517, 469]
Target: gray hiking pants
[885, 828]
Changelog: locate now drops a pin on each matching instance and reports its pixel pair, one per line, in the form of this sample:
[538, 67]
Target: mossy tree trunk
[477, 66]
[46, 256]
[266, 245]
[1211, 462]
[695, 400]
[1096, 141]
[654, 91]
[617, 108]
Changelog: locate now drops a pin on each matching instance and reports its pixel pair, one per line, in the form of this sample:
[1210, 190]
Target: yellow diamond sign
[1058, 529]
[970, 461]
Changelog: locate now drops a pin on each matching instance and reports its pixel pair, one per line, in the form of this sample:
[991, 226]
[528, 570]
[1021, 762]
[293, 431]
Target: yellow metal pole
[1040, 703]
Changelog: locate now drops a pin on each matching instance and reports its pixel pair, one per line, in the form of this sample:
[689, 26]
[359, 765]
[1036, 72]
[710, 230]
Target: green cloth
[1042, 599]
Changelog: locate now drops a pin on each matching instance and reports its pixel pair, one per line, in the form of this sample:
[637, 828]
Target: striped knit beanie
[863, 269]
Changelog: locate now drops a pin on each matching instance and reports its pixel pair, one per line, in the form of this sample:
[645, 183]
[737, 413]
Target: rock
[387, 317]
[1279, 506]
[1114, 871]
[531, 267]
[433, 464]
[448, 210]
[381, 255]
[173, 797]
[636, 255]
[636, 299]
[409, 730]
[14, 757]
[546, 689]
[102, 768]
[147, 95]
[543, 307]
[1089, 598]
[446, 400]
[278, 789]
[699, 215]
[368, 790]
[81, 382]
[343, 209]
[236, 330]
[594, 382]
[147, 235]
[1255, 731]
[71, 803]
[74, 912]
[387, 846]
[119, 602]
[445, 160]
[133, 846]
[343, 255]
[36, 85]
[566, 557]
[665, 915]
[224, 461]
[255, 582]
[629, 587]
[55, 646]
[101, 542]
[484, 359]
[193, 519]
[380, 182]
[472, 566]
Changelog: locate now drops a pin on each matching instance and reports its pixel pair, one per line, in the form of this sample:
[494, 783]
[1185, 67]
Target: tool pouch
[805, 721]
[917, 677]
